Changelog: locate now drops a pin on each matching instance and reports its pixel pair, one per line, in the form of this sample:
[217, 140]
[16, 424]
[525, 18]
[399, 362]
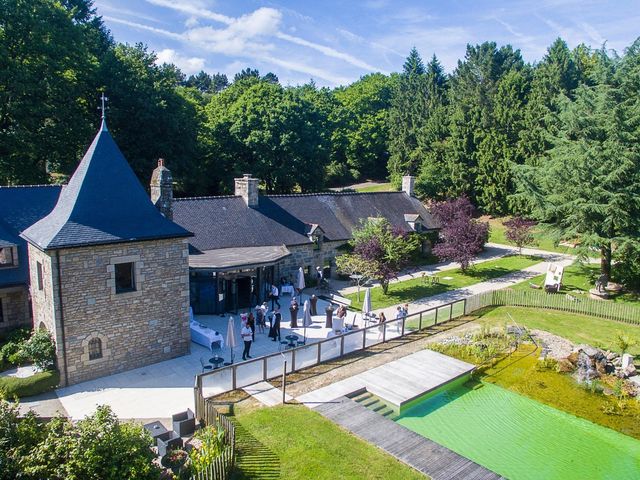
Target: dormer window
[414, 221]
[8, 257]
[315, 234]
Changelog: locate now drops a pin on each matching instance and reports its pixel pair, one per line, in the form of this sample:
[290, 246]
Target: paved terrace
[159, 390]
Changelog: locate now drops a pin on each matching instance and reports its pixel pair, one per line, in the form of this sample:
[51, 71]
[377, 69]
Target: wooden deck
[422, 454]
[398, 382]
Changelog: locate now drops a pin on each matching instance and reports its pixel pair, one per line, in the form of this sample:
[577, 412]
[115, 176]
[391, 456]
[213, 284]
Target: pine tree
[406, 117]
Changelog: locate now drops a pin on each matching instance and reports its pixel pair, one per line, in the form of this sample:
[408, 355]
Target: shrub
[10, 351]
[100, 446]
[41, 350]
[11, 387]
[212, 440]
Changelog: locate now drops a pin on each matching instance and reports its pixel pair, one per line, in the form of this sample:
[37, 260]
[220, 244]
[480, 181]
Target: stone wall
[136, 328]
[14, 302]
[306, 256]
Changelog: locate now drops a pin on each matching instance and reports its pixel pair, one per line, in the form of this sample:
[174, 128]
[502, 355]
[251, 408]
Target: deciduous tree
[380, 251]
[461, 237]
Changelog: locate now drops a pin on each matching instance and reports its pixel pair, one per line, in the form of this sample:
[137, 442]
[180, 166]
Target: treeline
[464, 133]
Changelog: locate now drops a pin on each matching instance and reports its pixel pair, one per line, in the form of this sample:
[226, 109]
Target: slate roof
[103, 203]
[229, 258]
[227, 222]
[21, 207]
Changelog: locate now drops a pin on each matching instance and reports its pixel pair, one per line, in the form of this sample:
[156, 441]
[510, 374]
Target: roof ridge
[327, 193]
[206, 197]
[37, 185]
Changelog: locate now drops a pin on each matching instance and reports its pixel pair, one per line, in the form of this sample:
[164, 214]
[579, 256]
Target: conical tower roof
[103, 203]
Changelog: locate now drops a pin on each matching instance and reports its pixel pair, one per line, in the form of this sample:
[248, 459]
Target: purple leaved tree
[380, 251]
[461, 237]
[520, 232]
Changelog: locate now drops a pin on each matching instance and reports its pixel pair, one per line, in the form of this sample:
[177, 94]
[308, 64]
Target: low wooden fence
[619, 312]
[222, 465]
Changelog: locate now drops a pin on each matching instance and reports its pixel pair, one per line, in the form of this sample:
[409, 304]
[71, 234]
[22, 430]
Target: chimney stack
[162, 189]
[247, 188]
[408, 182]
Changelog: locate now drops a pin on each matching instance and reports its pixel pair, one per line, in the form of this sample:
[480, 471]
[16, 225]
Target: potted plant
[175, 460]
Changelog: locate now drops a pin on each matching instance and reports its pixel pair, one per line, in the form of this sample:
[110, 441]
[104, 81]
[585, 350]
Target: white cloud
[191, 22]
[328, 51]
[194, 8]
[239, 33]
[159, 31]
[246, 36]
[188, 65]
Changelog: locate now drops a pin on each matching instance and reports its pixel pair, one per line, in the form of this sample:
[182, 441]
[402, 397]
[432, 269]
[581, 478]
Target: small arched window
[95, 349]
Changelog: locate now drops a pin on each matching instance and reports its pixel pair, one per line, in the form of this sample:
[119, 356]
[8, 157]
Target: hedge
[25, 387]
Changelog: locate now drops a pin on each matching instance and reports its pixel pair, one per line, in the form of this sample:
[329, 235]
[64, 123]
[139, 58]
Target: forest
[497, 129]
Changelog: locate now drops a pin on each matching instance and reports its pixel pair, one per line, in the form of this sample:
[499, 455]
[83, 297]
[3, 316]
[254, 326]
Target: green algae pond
[520, 438]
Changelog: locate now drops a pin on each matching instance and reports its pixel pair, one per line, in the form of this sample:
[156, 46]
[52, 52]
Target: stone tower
[162, 189]
[109, 273]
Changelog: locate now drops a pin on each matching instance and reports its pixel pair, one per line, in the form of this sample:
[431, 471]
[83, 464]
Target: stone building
[108, 272]
[20, 207]
[245, 242]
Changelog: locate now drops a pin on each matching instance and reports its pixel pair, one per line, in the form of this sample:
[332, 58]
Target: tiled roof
[103, 203]
[227, 222]
[21, 207]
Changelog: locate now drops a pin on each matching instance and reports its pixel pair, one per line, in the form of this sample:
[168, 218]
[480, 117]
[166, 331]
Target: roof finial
[103, 107]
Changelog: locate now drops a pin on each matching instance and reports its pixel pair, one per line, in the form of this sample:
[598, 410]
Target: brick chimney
[407, 184]
[247, 188]
[162, 189]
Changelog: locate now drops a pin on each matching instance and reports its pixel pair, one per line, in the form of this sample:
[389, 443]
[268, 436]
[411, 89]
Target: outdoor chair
[184, 423]
[168, 441]
[205, 365]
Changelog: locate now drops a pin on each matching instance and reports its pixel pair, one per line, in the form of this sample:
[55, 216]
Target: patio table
[292, 340]
[155, 429]
[216, 361]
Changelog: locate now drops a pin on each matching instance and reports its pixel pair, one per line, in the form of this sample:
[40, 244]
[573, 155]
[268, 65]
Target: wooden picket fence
[222, 465]
[619, 312]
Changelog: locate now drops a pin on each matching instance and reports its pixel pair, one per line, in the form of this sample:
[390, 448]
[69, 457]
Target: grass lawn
[383, 187]
[576, 328]
[310, 446]
[409, 290]
[541, 241]
[579, 279]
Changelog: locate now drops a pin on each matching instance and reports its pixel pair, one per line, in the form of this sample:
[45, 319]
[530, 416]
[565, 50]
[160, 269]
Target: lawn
[541, 240]
[410, 290]
[310, 446]
[579, 279]
[383, 187]
[576, 328]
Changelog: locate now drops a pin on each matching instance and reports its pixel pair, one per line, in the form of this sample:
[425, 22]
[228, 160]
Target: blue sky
[336, 42]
